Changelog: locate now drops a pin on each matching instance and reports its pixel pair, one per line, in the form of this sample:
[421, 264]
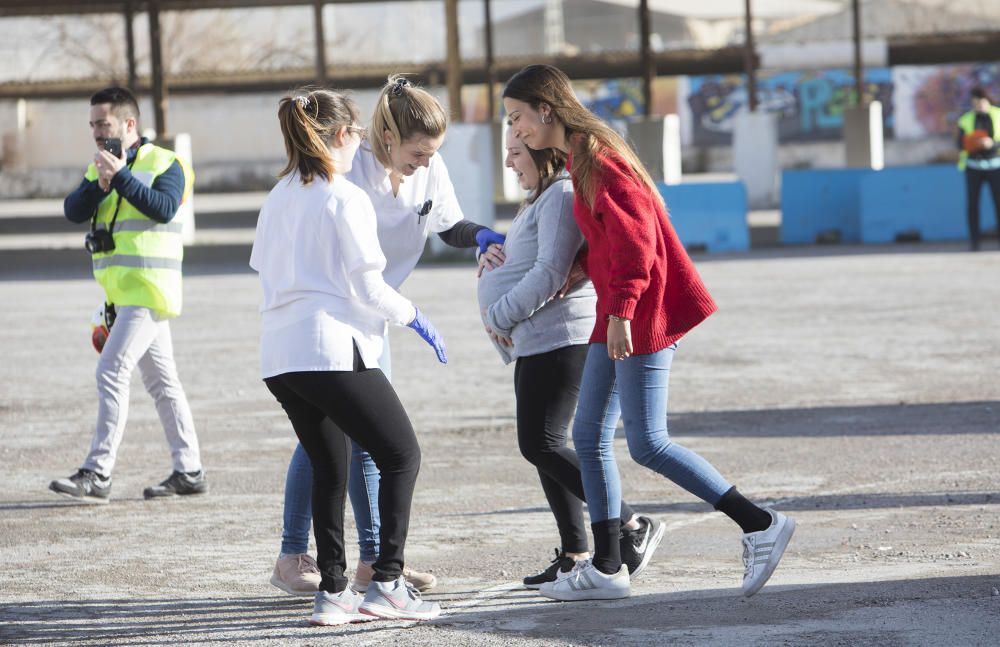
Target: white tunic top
[317, 253]
[402, 231]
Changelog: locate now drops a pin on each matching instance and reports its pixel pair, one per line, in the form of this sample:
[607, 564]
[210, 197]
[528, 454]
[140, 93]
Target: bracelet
[616, 318]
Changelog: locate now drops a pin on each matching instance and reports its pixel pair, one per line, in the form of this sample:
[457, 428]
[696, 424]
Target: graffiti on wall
[614, 100]
[810, 105]
[930, 99]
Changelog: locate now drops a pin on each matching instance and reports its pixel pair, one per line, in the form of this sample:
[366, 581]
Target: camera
[113, 145]
[99, 240]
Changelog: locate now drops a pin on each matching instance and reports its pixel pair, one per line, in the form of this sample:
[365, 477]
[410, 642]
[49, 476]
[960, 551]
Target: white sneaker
[397, 600]
[585, 582]
[338, 608]
[422, 582]
[762, 550]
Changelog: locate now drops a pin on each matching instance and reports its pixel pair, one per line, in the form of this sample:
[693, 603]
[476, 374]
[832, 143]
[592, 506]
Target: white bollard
[657, 142]
[181, 144]
[755, 155]
[468, 153]
[864, 143]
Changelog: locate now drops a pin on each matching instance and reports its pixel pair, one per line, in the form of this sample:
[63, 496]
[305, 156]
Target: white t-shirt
[402, 231]
[317, 253]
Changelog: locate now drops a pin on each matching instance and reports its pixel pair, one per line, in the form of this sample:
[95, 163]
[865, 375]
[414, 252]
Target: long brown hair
[550, 162]
[309, 119]
[405, 110]
[538, 84]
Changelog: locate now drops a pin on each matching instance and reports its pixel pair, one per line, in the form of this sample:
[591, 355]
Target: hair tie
[397, 87]
[303, 102]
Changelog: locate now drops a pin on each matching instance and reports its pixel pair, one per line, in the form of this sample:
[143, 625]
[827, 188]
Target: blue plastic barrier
[918, 202]
[821, 201]
[709, 216]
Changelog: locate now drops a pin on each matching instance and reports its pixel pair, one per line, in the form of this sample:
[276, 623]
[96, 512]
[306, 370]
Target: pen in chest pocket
[423, 210]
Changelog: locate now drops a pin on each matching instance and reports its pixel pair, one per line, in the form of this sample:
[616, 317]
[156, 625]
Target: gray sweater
[517, 297]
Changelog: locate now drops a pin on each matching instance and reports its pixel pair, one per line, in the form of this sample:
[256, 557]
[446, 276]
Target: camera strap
[114, 218]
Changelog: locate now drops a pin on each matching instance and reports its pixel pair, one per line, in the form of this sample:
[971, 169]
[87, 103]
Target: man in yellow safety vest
[978, 131]
[130, 195]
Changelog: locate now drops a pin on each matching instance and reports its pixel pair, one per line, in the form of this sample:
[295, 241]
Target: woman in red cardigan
[648, 296]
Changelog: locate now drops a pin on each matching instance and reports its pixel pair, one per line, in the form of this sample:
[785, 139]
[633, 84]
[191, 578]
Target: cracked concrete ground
[855, 388]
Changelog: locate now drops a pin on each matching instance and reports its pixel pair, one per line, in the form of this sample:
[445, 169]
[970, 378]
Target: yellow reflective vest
[144, 269]
[967, 123]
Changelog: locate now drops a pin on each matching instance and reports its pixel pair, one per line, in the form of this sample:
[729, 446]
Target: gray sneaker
[85, 485]
[337, 608]
[762, 550]
[178, 484]
[397, 600]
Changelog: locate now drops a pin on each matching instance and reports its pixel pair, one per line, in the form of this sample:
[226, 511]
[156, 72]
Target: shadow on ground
[858, 613]
[945, 419]
[856, 501]
[862, 613]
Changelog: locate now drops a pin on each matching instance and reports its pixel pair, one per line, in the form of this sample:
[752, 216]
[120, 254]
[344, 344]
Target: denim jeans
[634, 389]
[362, 488]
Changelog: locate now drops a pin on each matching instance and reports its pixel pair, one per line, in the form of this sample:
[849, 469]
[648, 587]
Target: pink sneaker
[420, 581]
[296, 574]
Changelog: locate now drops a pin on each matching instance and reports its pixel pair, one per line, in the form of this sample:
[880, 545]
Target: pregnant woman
[547, 338]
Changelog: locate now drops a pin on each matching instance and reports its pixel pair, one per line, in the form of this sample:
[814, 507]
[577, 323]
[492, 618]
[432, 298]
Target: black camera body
[99, 240]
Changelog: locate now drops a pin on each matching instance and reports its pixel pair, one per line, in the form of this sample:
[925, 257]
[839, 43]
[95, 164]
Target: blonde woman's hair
[405, 111]
[588, 135]
[310, 118]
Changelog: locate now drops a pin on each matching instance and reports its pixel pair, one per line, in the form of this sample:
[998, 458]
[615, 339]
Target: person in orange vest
[978, 130]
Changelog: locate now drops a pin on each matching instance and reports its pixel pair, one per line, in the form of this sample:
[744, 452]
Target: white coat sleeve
[357, 236]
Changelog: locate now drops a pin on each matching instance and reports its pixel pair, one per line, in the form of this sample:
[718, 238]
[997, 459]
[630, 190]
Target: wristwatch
[616, 318]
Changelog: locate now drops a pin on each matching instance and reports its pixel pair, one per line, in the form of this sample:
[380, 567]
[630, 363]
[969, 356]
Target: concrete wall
[237, 144]
[236, 141]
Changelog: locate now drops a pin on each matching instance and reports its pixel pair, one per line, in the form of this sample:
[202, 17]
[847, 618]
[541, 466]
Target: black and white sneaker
[561, 564]
[178, 484]
[637, 546]
[85, 485]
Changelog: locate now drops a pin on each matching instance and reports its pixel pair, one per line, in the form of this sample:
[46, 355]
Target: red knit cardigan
[639, 267]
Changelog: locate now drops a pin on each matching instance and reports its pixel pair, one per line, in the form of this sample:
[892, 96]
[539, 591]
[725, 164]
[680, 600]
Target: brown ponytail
[309, 119]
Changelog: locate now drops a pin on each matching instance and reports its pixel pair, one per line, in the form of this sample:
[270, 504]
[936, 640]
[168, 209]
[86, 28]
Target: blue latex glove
[429, 333]
[486, 237]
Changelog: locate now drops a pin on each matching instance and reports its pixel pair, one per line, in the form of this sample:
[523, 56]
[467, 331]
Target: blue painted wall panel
[821, 200]
[929, 200]
[711, 215]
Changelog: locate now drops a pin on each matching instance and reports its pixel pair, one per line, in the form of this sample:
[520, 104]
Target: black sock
[607, 552]
[750, 517]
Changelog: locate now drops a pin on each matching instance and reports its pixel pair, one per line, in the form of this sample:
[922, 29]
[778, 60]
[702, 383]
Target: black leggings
[546, 387]
[974, 179]
[361, 406]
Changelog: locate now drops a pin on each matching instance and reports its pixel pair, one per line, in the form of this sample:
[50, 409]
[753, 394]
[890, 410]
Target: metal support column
[859, 81]
[491, 70]
[750, 61]
[130, 46]
[320, 42]
[454, 63]
[156, 57]
[647, 63]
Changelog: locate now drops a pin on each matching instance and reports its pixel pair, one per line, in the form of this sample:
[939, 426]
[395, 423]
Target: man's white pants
[138, 339]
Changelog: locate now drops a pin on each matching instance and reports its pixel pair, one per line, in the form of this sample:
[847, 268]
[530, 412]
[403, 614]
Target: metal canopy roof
[62, 7]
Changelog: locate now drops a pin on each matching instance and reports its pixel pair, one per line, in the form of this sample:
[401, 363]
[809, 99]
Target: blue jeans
[634, 389]
[362, 488]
